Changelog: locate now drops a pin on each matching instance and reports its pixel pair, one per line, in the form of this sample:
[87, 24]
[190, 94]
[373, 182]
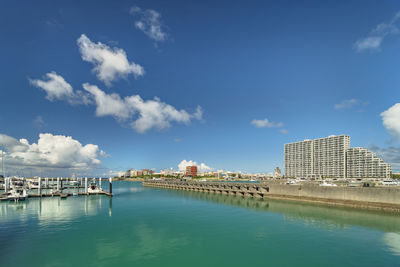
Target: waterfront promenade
[384, 199]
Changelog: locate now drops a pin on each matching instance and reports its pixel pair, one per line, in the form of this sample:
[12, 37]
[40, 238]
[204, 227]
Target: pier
[236, 189]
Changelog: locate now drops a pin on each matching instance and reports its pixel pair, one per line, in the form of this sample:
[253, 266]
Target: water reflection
[53, 210]
[314, 214]
[145, 242]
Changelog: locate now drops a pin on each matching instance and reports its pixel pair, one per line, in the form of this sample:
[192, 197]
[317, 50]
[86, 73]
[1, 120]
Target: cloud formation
[149, 22]
[142, 115]
[39, 122]
[375, 38]
[55, 87]
[391, 120]
[51, 151]
[201, 168]
[110, 64]
[349, 103]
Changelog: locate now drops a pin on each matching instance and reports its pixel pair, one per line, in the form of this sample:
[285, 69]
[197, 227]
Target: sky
[95, 87]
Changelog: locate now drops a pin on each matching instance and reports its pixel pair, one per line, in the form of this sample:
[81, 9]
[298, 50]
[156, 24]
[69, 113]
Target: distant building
[191, 171]
[277, 172]
[129, 173]
[167, 172]
[332, 157]
[147, 172]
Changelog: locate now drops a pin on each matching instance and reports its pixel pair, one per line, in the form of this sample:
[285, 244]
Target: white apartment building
[323, 157]
[332, 157]
[362, 163]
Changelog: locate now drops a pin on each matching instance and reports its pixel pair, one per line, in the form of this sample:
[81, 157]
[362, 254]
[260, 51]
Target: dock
[56, 189]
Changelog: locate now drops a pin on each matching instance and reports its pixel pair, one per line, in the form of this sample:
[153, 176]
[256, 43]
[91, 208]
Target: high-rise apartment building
[332, 157]
[363, 163]
[323, 157]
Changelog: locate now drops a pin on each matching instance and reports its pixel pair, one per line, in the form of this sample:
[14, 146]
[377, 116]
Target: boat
[74, 183]
[17, 194]
[32, 184]
[16, 182]
[325, 183]
[93, 188]
[389, 182]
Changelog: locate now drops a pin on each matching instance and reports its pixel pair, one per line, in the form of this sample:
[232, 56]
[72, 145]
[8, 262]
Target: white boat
[17, 194]
[32, 184]
[389, 182]
[325, 183]
[93, 188]
[16, 182]
[74, 183]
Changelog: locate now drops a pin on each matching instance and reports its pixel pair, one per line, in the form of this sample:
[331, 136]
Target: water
[158, 227]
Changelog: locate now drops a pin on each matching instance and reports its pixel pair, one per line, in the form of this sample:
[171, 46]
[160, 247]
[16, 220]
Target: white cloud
[201, 168]
[265, 123]
[369, 43]
[391, 120]
[142, 114]
[375, 38]
[284, 131]
[58, 89]
[149, 22]
[39, 122]
[349, 103]
[109, 63]
[55, 86]
[51, 151]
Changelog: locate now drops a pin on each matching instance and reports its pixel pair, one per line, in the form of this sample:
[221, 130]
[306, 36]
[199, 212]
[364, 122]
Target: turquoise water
[158, 227]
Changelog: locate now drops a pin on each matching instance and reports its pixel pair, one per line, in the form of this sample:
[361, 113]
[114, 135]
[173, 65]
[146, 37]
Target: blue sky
[264, 73]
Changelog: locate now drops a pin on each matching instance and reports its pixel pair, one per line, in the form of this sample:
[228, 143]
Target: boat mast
[2, 160]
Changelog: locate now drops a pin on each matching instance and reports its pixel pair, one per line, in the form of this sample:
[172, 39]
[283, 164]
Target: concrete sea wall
[365, 194]
[376, 198]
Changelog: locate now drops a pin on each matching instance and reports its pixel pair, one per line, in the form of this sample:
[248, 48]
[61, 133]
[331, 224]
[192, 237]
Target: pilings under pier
[236, 189]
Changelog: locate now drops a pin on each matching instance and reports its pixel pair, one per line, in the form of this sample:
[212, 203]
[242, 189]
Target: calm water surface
[157, 227]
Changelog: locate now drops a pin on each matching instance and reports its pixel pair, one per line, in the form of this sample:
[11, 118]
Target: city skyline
[157, 83]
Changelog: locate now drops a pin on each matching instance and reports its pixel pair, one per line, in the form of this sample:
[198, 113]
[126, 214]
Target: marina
[19, 189]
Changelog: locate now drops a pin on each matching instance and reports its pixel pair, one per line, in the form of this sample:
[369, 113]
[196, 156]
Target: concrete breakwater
[385, 199]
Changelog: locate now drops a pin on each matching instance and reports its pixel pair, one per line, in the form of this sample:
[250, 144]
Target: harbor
[19, 189]
[149, 226]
